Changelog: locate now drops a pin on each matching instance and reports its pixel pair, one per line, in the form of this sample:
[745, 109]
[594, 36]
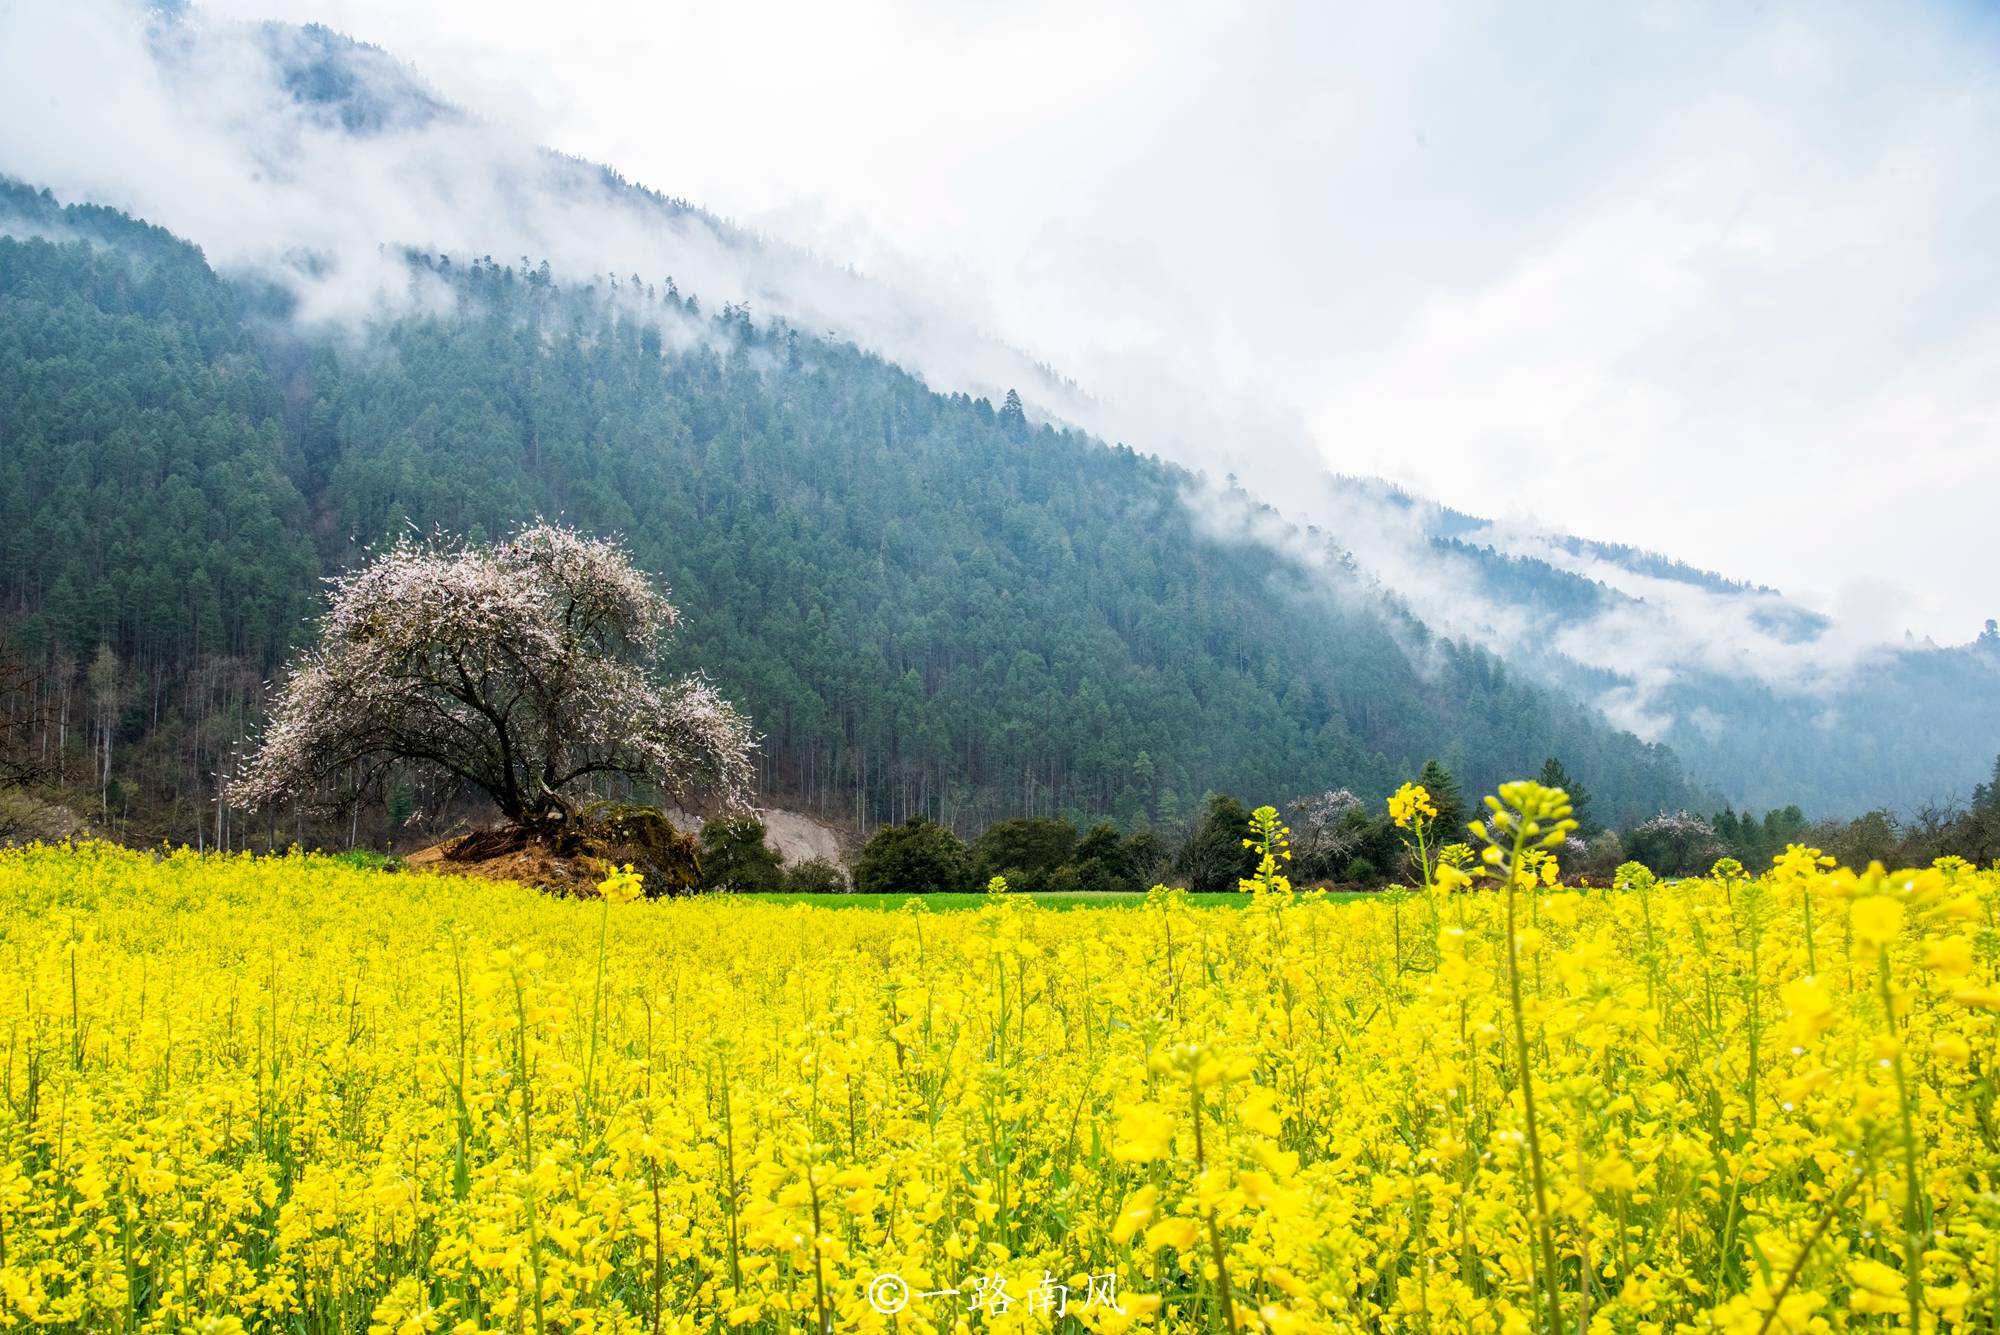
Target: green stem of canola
[1913, 1230]
[1549, 1276]
[1214, 1228]
[528, 1145]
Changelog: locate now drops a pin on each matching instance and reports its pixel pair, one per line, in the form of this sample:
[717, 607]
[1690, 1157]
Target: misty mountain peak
[353, 84]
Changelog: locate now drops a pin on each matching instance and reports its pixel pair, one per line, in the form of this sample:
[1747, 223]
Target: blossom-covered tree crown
[520, 669]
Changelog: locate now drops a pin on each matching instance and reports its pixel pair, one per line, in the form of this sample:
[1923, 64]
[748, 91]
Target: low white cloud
[1651, 630]
[1710, 279]
[1706, 280]
[188, 126]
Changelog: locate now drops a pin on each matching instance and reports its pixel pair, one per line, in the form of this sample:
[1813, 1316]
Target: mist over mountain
[927, 605]
[1775, 703]
[402, 314]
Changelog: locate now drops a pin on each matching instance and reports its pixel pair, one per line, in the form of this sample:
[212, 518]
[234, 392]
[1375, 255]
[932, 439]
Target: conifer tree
[1553, 775]
[1447, 798]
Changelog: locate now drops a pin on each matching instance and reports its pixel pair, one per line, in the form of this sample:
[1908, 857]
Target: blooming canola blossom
[287, 1093]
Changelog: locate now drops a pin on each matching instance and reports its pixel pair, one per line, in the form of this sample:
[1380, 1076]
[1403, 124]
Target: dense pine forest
[927, 604]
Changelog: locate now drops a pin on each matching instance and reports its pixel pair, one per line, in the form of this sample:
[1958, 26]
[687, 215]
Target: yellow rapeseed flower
[1410, 802]
[276, 1093]
[622, 885]
[1877, 920]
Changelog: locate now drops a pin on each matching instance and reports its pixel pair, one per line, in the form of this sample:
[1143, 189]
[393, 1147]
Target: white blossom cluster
[1678, 825]
[521, 670]
[1321, 827]
[1687, 838]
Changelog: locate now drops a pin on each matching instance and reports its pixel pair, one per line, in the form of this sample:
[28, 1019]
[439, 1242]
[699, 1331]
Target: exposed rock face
[798, 837]
[795, 836]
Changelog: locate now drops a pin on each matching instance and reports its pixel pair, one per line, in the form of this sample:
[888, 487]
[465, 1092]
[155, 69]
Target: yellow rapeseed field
[285, 1094]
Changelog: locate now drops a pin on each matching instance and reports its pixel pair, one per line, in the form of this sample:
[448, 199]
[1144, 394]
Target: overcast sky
[1720, 282]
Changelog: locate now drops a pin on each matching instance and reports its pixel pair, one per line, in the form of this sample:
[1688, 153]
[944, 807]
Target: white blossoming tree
[1326, 828]
[1675, 843]
[521, 670]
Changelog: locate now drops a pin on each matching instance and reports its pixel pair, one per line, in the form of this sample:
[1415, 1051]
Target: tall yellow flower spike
[1410, 802]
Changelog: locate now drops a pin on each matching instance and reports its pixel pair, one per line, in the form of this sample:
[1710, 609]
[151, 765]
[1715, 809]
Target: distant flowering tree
[1675, 843]
[520, 670]
[1326, 829]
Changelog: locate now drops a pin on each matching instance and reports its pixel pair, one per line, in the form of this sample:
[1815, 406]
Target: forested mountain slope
[328, 157]
[926, 605]
[1765, 699]
[1792, 719]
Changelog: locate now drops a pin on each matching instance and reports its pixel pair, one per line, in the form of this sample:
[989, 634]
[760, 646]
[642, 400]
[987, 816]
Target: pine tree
[1553, 775]
[1987, 795]
[1013, 418]
[1446, 797]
